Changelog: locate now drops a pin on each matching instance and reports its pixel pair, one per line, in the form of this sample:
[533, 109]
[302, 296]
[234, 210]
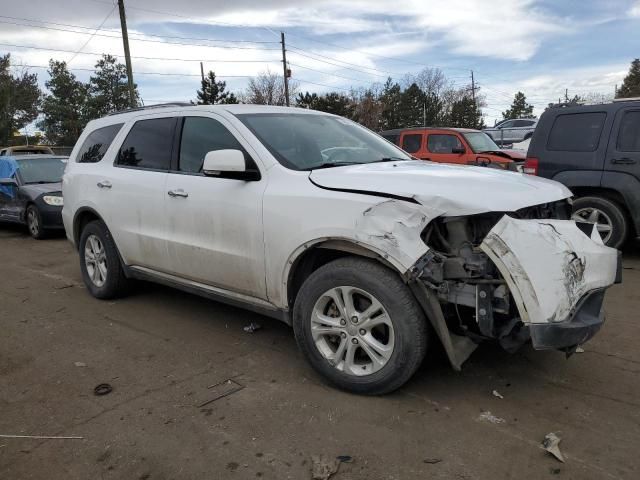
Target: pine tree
[213, 92]
[391, 105]
[465, 114]
[519, 108]
[19, 99]
[64, 107]
[631, 84]
[108, 88]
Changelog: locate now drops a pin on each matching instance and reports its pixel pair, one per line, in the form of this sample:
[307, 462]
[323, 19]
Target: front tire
[608, 216]
[100, 264]
[34, 222]
[360, 326]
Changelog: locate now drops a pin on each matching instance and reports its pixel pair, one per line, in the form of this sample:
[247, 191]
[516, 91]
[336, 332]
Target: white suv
[315, 220]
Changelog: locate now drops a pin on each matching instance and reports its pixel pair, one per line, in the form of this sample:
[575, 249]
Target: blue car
[31, 192]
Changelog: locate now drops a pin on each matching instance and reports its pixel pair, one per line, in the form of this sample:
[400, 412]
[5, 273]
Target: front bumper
[557, 276]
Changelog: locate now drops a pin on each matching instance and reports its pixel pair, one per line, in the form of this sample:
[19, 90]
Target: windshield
[480, 142]
[41, 170]
[308, 141]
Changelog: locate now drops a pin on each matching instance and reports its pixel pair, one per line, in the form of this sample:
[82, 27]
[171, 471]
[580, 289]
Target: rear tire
[100, 264]
[386, 330]
[611, 219]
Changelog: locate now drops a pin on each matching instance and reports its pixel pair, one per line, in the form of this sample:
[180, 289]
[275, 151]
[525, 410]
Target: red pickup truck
[454, 145]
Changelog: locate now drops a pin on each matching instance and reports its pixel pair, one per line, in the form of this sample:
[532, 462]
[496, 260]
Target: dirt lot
[160, 349]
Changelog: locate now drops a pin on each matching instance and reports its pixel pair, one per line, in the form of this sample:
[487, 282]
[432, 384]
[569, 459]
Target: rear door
[440, 147]
[412, 142]
[520, 130]
[623, 154]
[134, 191]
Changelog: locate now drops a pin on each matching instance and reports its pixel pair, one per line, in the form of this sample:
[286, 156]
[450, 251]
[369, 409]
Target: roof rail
[151, 107]
[629, 99]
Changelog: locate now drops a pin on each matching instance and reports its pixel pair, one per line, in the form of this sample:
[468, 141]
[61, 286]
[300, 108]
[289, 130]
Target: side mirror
[228, 164]
[458, 150]
[8, 182]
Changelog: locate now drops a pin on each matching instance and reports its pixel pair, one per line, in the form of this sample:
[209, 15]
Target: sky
[540, 47]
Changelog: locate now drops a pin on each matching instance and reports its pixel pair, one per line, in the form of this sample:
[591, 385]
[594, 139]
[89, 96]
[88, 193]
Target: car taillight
[530, 166]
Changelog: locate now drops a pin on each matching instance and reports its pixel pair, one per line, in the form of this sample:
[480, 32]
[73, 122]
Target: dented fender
[549, 266]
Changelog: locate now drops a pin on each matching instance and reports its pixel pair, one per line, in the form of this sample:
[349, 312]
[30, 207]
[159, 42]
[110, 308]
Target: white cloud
[634, 11]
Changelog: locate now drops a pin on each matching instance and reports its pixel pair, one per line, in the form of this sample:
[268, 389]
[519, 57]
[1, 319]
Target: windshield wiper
[390, 159]
[331, 164]
[40, 182]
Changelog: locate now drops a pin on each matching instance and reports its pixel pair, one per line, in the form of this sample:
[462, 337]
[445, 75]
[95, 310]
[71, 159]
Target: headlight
[53, 200]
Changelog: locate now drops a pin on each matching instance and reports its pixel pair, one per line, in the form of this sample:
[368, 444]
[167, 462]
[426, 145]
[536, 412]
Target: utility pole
[566, 95]
[473, 88]
[127, 54]
[202, 71]
[285, 69]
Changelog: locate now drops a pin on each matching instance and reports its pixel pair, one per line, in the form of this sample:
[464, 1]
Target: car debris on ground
[497, 394]
[252, 327]
[323, 467]
[489, 417]
[551, 444]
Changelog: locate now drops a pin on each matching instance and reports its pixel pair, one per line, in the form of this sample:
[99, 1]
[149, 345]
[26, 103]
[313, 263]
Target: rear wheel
[359, 326]
[100, 264]
[608, 217]
[34, 222]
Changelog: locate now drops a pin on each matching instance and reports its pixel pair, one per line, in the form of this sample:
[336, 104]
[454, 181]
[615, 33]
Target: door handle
[178, 193]
[623, 161]
[104, 184]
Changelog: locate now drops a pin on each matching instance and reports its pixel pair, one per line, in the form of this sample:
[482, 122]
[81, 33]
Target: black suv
[595, 151]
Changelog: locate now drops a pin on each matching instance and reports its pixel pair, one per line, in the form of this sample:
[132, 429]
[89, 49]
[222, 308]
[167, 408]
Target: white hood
[454, 190]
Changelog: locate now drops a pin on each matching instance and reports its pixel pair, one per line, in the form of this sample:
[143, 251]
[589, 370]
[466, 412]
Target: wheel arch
[610, 194]
[81, 218]
[312, 255]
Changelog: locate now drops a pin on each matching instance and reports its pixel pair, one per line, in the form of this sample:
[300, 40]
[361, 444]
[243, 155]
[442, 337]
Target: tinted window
[148, 144]
[97, 144]
[411, 143]
[522, 123]
[443, 143]
[629, 134]
[576, 132]
[199, 136]
[507, 124]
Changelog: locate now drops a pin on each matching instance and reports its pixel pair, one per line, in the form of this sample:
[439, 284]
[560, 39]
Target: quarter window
[576, 132]
[443, 143]
[97, 143]
[629, 134]
[148, 144]
[199, 136]
[411, 143]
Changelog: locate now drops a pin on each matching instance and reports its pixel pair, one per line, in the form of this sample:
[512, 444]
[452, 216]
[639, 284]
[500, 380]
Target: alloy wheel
[352, 330]
[95, 260]
[601, 220]
[32, 222]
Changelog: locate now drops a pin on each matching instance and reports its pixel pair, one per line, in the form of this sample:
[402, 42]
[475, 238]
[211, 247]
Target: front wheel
[34, 222]
[359, 326]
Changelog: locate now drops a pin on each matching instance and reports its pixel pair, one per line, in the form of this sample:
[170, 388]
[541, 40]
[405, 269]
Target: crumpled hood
[453, 190]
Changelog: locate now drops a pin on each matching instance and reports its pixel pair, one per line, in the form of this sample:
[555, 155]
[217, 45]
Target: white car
[314, 220]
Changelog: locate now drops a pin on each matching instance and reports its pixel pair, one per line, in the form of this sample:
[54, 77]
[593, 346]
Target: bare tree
[267, 88]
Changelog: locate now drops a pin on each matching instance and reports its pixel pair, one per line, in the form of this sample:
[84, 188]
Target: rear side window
[576, 132]
[629, 134]
[148, 144]
[97, 144]
[199, 136]
[411, 143]
[522, 123]
[443, 143]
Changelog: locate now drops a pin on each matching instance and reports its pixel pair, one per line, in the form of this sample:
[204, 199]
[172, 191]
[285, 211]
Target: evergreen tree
[631, 84]
[335, 103]
[519, 108]
[412, 103]
[465, 114]
[308, 100]
[213, 92]
[108, 88]
[19, 99]
[64, 107]
[391, 100]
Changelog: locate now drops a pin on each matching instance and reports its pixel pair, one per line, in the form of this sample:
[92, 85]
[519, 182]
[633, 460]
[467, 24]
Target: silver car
[512, 131]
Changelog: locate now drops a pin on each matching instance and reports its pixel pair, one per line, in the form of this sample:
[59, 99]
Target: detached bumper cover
[557, 276]
[586, 322]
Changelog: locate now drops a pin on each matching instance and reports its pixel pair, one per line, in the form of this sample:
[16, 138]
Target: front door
[9, 202]
[215, 232]
[623, 153]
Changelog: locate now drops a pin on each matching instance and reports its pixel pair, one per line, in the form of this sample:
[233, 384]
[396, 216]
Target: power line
[92, 35]
[32, 47]
[79, 69]
[327, 73]
[298, 51]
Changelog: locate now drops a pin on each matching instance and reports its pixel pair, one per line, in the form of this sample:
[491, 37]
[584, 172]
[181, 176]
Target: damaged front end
[530, 275]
